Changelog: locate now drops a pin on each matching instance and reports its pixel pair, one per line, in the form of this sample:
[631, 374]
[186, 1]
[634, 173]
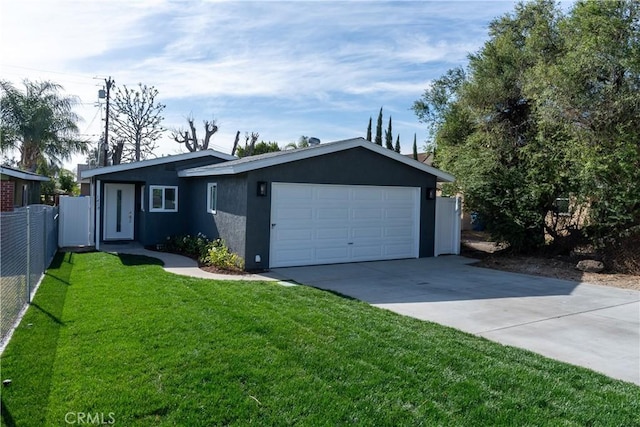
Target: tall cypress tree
[415, 148]
[397, 147]
[378, 139]
[388, 136]
[369, 131]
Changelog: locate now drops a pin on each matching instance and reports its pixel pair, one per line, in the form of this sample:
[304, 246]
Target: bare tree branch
[136, 120]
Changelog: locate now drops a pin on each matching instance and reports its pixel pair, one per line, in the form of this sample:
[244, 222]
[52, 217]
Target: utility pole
[105, 150]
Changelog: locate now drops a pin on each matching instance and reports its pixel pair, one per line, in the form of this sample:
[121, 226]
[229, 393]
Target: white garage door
[327, 224]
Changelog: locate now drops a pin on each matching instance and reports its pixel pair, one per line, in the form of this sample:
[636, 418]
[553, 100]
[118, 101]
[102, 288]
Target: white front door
[119, 202]
[327, 224]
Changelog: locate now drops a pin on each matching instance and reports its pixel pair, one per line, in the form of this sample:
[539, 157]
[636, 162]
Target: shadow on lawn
[36, 347]
[51, 316]
[134, 260]
[6, 415]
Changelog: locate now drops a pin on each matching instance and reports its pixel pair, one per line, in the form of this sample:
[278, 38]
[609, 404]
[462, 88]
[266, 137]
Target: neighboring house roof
[83, 167]
[154, 162]
[426, 158]
[249, 163]
[27, 176]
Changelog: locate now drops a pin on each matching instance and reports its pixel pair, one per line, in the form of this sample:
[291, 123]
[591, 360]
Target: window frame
[210, 186]
[164, 189]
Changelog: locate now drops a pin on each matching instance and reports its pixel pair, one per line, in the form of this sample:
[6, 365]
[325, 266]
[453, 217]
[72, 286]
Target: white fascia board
[27, 176]
[154, 162]
[332, 147]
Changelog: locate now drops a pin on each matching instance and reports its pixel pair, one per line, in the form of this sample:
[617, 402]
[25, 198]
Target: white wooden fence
[448, 225]
[74, 229]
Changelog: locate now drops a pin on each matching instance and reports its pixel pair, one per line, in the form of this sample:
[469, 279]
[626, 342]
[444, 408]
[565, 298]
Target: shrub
[218, 255]
[621, 253]
[191, 246]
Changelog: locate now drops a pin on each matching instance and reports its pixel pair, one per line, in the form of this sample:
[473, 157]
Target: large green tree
[40, 123]
[547, 108]
[596, 103]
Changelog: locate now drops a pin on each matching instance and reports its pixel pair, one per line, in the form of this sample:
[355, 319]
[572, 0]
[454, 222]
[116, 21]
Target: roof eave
[314, 152]
[24, 175]
[90, 173]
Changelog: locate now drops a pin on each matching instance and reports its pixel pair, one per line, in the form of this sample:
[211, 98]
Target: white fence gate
[448, 222]
[74, 227]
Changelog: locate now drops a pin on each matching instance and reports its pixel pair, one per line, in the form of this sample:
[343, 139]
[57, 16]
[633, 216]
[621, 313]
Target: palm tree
[39, 123]
[303, 142]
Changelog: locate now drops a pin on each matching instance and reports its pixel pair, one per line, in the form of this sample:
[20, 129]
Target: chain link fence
[28, 243]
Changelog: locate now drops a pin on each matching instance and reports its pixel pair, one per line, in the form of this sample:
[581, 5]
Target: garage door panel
[372, 213]
[294, 213]
[366, 252]
[401, 213]
[367, 232]
[294, 234]
[297, 256]
[340, 223]
[328, 193]
[368, 194]
[295, 193]
[331, 254]
[405, 232]
[396, 250]
[398, 194]
[341, 233]
[333, 213]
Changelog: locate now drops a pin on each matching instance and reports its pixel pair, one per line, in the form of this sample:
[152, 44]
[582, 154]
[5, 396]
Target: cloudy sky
[283, 69]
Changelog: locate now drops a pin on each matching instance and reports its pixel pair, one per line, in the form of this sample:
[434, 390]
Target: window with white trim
[163, 198]
[142, 188]
[212, 197]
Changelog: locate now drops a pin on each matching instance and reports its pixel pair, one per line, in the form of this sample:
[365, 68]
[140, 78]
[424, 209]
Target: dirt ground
[477, 245]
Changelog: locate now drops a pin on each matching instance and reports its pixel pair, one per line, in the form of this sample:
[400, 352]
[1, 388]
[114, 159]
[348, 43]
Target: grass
[117, 337]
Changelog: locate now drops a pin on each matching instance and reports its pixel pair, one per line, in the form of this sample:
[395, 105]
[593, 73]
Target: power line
[48, 71]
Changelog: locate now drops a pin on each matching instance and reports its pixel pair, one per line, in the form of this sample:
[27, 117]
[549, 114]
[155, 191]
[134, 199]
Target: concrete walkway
[597, 327]
[182, 265]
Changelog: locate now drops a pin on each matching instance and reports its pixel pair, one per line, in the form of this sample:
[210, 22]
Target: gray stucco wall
[357, 166]
[229, 221]
[154, 227]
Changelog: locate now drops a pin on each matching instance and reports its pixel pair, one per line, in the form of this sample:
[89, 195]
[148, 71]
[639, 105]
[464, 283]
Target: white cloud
[280, 68]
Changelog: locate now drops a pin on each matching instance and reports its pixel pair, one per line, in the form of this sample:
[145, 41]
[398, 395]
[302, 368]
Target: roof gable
[20, 174]
[249, 163]
[154, 162]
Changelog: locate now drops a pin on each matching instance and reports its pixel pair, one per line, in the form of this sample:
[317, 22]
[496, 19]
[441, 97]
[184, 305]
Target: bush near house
[218, 255]
[195, 247]
[208, 252]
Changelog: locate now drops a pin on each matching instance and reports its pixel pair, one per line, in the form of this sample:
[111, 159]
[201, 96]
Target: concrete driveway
[597, 327]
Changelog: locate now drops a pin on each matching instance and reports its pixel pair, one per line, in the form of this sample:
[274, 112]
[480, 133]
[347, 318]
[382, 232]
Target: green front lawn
[116, 337]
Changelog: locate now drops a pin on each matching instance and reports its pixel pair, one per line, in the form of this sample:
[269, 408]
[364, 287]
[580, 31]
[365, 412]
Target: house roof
[154, 162]
[260, 161]
[20, 174]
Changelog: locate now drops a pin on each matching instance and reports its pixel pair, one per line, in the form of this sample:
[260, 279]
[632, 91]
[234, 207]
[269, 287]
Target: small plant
[218, 255]
[191, 246]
